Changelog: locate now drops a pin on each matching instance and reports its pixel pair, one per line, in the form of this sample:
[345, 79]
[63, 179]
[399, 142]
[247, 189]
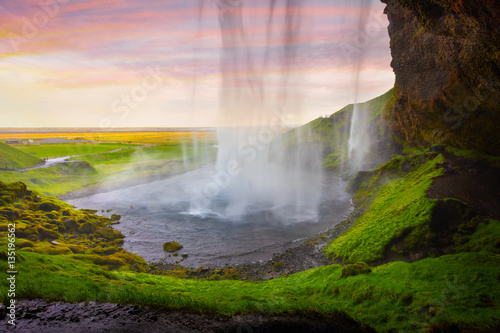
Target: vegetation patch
[333, 133]
[12, 158]
[71, 149]
[478, 235]
[398, 207]
[355, 269]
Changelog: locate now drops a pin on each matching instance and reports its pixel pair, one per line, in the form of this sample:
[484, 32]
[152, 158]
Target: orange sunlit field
[123, 137]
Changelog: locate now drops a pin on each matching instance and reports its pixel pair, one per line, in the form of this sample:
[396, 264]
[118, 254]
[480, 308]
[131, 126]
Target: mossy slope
[393, 207]
[13, 158]
[46, 225]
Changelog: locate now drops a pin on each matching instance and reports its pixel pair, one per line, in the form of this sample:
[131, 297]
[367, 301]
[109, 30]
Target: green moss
[24, 243]
[47, 248]
[277, 266]
[172, 246]
[399, 206]
[48, 206]
[134, 261]
[478, 235]
[86, 228]
[46, 233]
[460, 289]
[110, 261]
[355, 269]
[473, 154]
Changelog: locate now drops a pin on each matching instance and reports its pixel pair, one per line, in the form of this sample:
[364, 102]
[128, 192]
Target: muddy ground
[56, 317]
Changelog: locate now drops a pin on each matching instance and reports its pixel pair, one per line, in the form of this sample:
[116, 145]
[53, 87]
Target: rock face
[446, 60]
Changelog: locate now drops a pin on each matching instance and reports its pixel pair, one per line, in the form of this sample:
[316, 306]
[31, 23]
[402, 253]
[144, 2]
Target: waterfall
[256, 170]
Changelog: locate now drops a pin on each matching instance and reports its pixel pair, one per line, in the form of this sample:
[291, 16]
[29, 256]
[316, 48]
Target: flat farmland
[104, 160]
[129, 137]
[71, 149]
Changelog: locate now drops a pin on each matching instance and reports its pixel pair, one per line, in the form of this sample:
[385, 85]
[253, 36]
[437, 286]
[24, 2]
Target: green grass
[108, 169]
[333, 132]
[57, 180]
[13, 158]
[459, 289]
[398, 207]
[71, 149]
[455, 288]
[472, 154]
[157, 153]
[485, 238]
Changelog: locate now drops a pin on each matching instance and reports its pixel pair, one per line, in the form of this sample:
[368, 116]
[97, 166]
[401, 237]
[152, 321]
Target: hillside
[75, 256]
[334, 133]
[13, 158]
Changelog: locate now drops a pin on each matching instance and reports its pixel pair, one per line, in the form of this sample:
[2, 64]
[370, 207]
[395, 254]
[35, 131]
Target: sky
[164, 63]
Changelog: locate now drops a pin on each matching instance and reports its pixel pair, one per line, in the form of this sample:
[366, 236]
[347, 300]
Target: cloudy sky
[157, 63]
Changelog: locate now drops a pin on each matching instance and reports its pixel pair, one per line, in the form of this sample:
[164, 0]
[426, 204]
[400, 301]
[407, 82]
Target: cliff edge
[446, 60]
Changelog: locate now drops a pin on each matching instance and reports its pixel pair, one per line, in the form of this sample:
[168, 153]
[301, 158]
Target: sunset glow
[114, 63]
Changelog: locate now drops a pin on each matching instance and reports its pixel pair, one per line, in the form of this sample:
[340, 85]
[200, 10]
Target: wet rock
[58, 317]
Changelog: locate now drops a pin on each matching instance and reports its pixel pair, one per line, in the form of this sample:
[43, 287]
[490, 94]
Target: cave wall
[446, 60]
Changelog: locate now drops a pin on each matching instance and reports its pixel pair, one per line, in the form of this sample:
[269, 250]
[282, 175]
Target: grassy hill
[334, 133]
[13, 158]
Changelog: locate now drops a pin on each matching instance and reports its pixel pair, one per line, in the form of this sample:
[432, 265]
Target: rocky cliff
[446, 60]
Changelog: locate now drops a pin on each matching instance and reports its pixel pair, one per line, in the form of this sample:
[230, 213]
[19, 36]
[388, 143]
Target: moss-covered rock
[109, 234]
[105, 251]
[110, 261]
[70, 224]
[24, 243]
[46, 233]
[115, 217]
[172, 246]
[86, 228]
[48, 206]
[135, 262]
[355, 269]
[10, 213]
[40, 220]
[26, 232]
